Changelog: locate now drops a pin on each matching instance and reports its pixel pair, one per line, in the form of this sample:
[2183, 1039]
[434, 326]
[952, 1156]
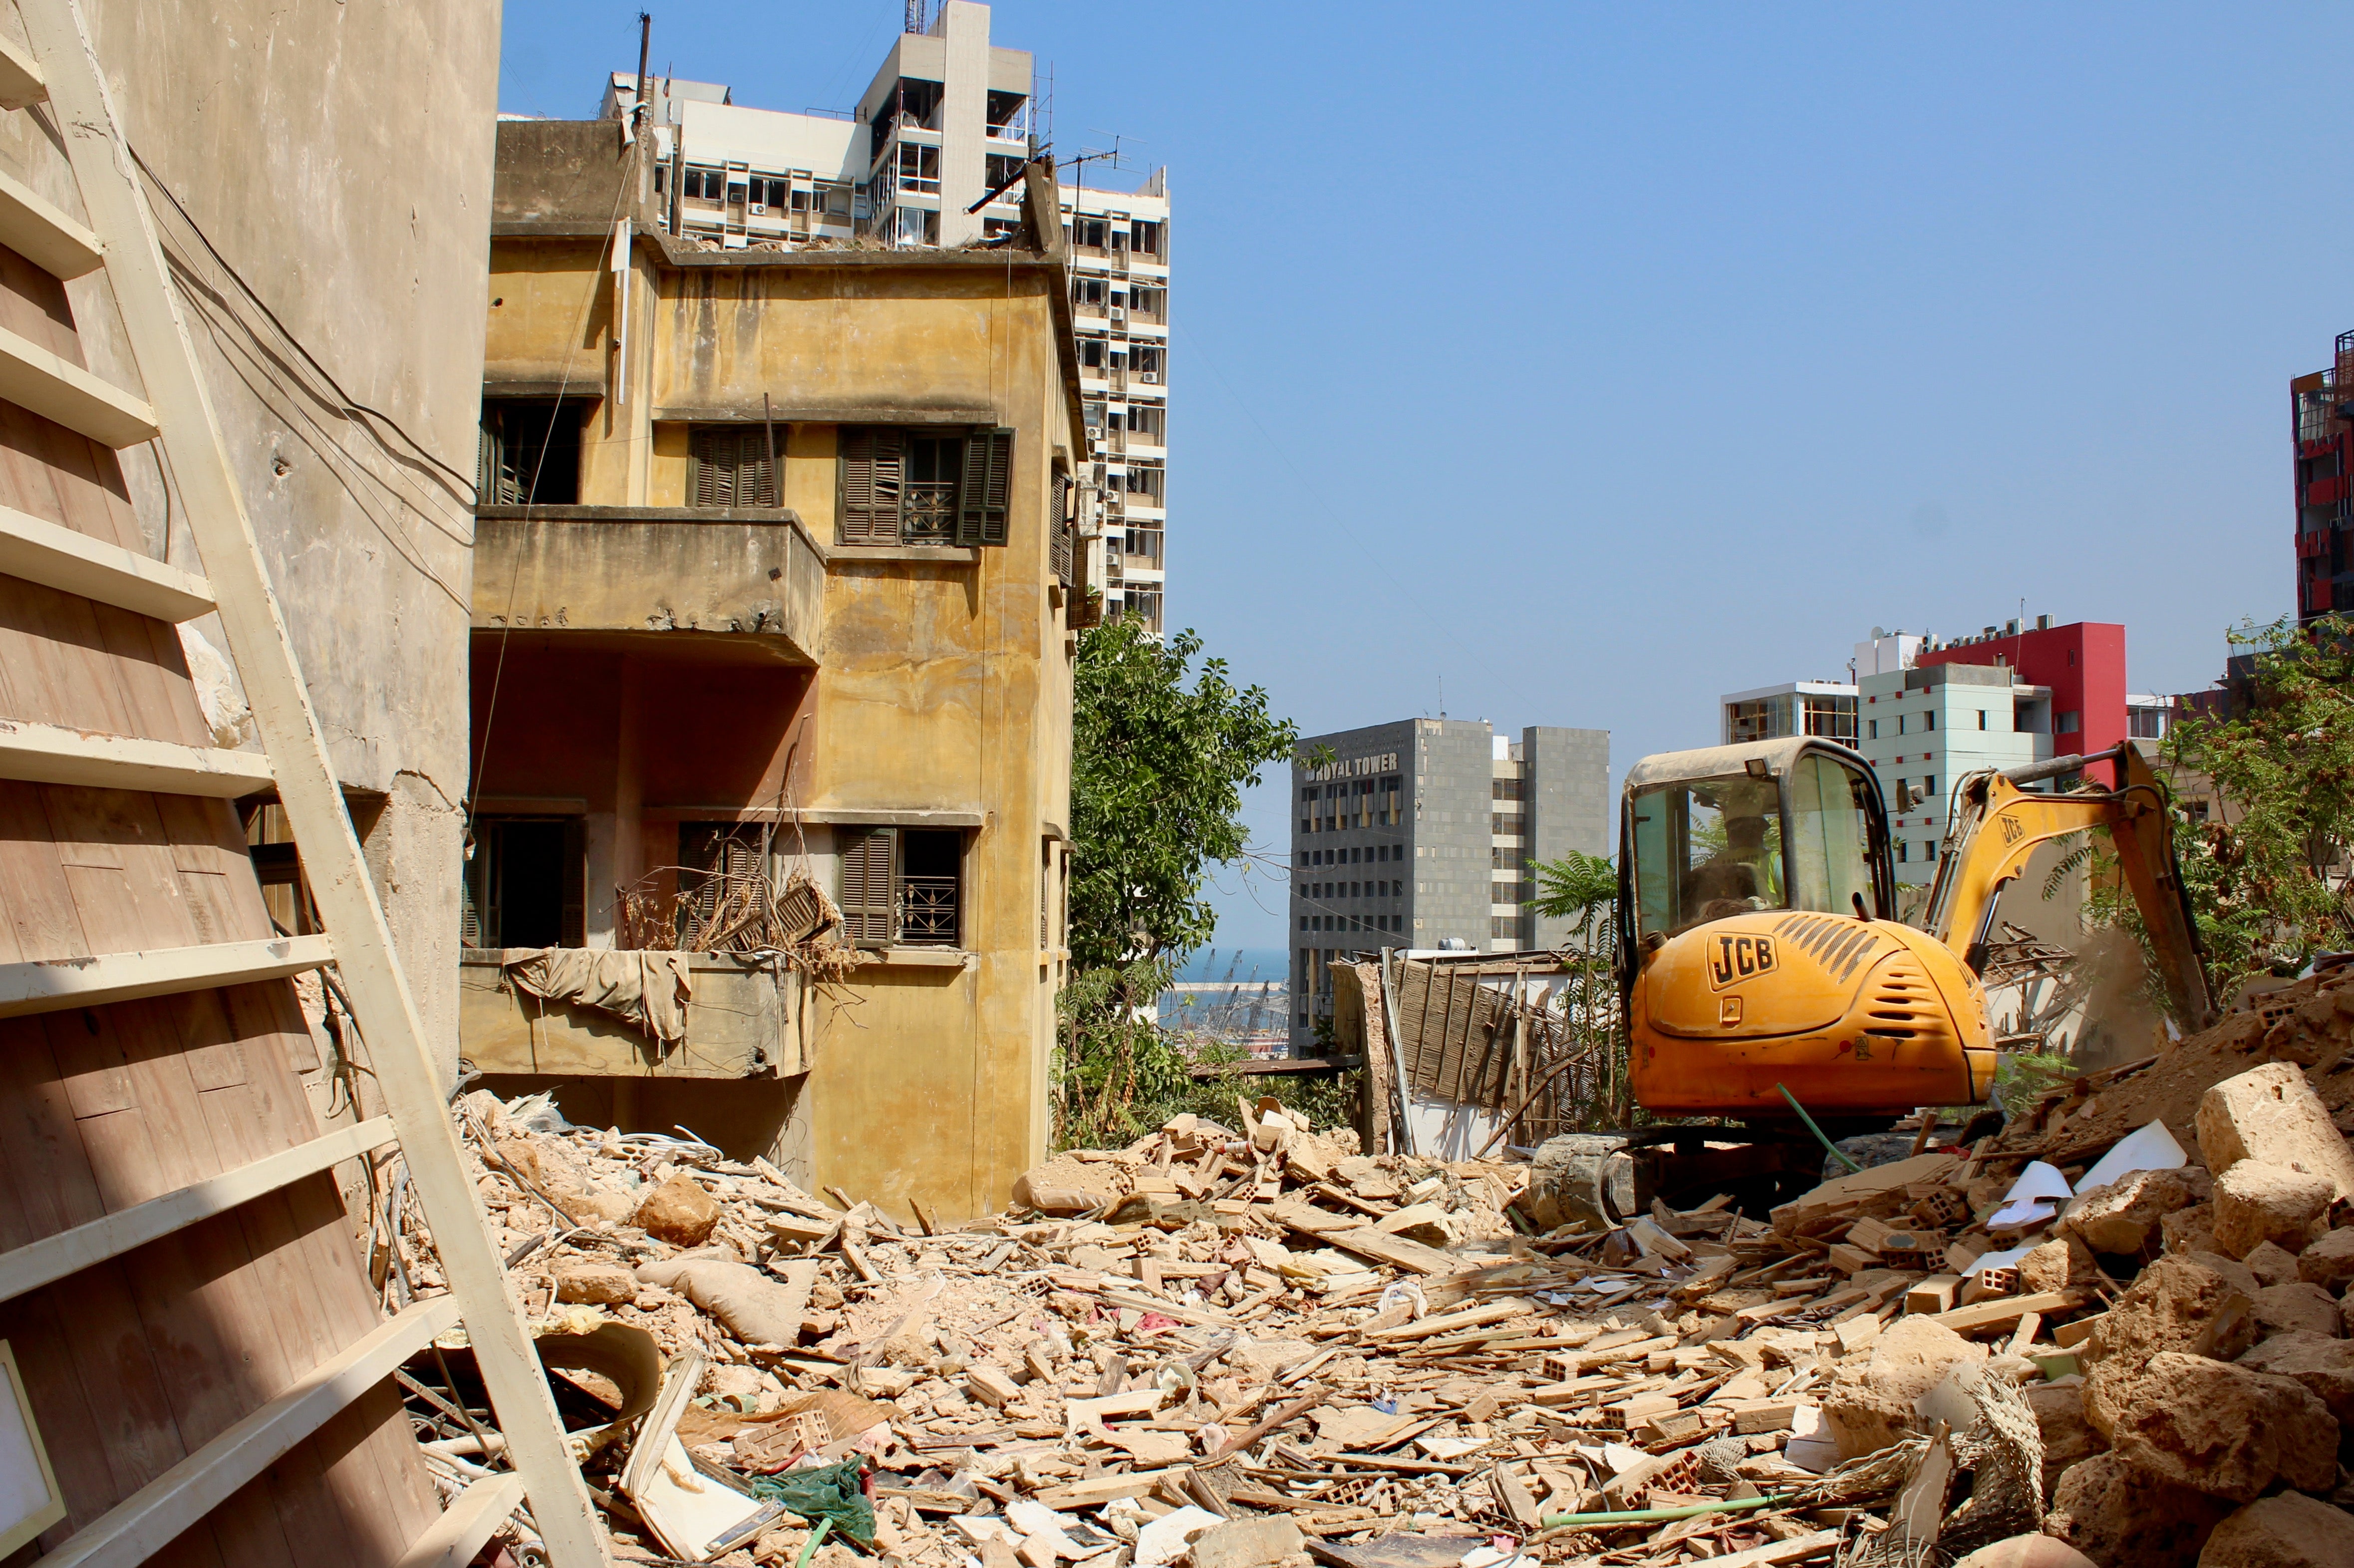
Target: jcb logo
[1738, 957]
[2012, 831]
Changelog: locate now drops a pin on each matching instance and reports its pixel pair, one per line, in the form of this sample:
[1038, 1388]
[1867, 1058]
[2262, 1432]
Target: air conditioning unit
[759, 209]
[1118, 313]
[1150, 377]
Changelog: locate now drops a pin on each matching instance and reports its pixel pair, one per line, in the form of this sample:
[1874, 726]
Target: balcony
[743, 1020]
[750, 577]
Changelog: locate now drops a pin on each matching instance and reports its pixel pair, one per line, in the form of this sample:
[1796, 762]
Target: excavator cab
[1729, 831]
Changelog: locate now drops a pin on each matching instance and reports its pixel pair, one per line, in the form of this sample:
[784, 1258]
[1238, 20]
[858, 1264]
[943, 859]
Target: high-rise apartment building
[2323, 437]
[931, 157]
[1419, 834]
[1120, 306]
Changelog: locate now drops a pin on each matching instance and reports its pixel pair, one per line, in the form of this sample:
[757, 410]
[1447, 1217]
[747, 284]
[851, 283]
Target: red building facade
[2082, 664]
[2324, 439]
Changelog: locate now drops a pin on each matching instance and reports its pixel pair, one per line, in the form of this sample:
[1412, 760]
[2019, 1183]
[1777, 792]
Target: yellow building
[778, 572]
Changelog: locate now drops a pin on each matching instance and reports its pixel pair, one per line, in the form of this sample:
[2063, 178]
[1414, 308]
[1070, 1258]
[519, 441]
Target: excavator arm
[1997, 824]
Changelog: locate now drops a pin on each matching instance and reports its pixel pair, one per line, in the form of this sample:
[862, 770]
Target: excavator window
[1704, 848]
[1831, 836]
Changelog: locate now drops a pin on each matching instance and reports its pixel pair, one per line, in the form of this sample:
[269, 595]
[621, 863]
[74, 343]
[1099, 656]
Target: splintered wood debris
[1226, 1346]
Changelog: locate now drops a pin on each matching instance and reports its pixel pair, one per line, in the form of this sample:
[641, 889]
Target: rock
[1053, 1189]
[2176, 1304]
[1248, 1542]
[2329, 1262]
[2298, 1306]
[2244, 1278]
[601, 1284]
[2121, 1518]
[2123, 1215]
[678, 1212]
[2258, 1202]
[2322, 1362]
[2271, 1114]
[1868, 1409]
[2224, 1429]
[2055, 1264]
[2290, 1530]
[2271, 1263]
[2068, 1438]
[2027, 1551]
[2189, 1230]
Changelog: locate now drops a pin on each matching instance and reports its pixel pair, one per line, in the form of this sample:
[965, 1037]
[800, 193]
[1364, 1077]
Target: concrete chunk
[2123, 1217]
[2271, 1114]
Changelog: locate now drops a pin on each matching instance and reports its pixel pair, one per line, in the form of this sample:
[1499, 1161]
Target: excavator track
[1608, 1178]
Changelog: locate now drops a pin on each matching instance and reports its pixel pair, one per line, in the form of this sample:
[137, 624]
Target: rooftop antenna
[638, 115]
[1442, 696]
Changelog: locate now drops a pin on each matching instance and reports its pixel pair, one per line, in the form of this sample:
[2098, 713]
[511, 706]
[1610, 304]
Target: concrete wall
[1450, 806]
[329, 176]
[1569, 803]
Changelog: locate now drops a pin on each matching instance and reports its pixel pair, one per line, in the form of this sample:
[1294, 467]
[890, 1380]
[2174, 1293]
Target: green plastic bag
[830, 1492]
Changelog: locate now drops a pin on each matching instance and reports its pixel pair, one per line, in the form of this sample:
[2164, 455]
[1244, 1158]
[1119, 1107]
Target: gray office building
[1418, 834]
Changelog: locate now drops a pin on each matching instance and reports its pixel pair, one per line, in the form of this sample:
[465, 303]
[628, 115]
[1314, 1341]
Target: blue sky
[1594, 360]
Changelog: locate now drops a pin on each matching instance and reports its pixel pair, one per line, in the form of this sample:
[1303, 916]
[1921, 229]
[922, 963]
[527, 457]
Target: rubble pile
[2114, 1333]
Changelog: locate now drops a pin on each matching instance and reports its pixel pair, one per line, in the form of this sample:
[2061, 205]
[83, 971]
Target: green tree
[1584, 889]
[2267, 871]
[1158, 768]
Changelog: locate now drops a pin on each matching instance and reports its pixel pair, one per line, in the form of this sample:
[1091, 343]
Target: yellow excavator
[1763, 970]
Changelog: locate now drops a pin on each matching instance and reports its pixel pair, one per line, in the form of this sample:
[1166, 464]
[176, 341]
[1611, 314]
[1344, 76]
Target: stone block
[2298, 1306]
[2123, 1518]
[2271, 1263]
[2328, 1262]
[2027, 1551]
[2257, 1202]
[597, 1283]
[2322, 1362]
[1868, 1409]
[2290, 1530]
[2223, 1429]
[2176, 1304]
[2068, 1439]
[2123, 1215]
[2271, 1114]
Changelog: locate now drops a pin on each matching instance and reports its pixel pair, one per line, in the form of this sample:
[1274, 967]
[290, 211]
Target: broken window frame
[527, 453]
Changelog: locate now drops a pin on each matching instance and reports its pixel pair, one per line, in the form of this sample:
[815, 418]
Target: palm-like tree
[1584, 888]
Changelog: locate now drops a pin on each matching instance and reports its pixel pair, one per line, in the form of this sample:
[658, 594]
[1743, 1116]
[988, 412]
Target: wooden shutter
[869, 884]
[986, 486]
[731, 467]
[874, 464]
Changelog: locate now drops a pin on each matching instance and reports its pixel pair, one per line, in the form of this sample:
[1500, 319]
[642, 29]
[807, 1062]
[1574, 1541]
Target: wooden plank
[57, 388]
[72, 562]
[53, 754]
[48, 985]
[39, 231]
[150, 1518]
[53, 1257]
[2007, 1309]
[1395, 1251]
[21, 84]
[453, 1539]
